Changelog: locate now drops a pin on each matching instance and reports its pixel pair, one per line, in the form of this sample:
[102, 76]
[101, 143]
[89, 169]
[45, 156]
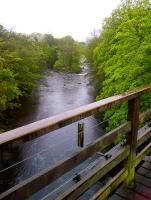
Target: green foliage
[8, 89]
[20, 59]
[24, 57]
[47, 48]
[90, 47]
[68, 55]
[122, 59]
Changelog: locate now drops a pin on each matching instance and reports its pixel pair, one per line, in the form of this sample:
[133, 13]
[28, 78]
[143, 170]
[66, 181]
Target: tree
[24, 57]
[68, 55]
[91, 44]
[46, 49]
[9, 90]
[123, 55]
[18, 67]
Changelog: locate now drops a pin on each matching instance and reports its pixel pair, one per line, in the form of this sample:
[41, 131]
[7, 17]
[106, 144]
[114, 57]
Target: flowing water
[56, 93]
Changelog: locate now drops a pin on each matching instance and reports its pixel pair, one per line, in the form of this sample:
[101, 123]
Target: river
[57, 92]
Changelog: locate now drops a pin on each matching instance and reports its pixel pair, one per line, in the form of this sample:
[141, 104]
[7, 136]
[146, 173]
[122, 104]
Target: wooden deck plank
[144, 172]
[130, 195]
[146, 165]
[116, 197]
[143, 180]
[142, 190]
[142, 187]
[141, 155]
[147, 159]
[112, 184]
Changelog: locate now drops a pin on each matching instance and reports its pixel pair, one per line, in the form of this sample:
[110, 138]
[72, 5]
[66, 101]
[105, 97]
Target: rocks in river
[69, 76]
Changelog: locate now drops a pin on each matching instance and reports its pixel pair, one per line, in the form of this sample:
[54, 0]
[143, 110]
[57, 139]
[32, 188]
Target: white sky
[77, 18]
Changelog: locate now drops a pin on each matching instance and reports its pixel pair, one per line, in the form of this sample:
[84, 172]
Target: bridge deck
[142, 188]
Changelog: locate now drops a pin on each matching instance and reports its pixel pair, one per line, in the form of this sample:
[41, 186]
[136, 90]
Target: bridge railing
[127, 153]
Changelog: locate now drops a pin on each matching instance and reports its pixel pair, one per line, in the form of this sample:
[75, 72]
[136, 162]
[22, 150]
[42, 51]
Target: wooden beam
[142, 154]
[104, 192]
[133, 116]
[52, 123]
[145, 116]
[143, 135]
[95, 174]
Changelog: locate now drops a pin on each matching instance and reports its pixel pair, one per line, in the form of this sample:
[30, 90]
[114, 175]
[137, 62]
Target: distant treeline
[121, 55]
[24, 57]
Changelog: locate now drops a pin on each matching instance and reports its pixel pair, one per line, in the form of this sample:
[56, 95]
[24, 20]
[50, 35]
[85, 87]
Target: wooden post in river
[81, 134]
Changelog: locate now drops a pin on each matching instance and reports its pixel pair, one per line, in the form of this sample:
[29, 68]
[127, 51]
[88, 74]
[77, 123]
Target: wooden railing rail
[134, 139]
[44, 126]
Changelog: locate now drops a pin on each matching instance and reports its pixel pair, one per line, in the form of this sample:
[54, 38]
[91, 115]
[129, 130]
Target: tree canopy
[91, 44]
[24, 57]
[68, 55]
[122, 58]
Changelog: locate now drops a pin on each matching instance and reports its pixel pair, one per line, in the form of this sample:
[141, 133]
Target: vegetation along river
[56, 93]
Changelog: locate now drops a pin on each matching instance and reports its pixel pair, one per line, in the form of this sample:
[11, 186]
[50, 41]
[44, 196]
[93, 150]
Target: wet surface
[56, 93]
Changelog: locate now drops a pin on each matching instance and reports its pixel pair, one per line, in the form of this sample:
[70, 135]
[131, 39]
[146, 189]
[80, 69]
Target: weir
[100, 170]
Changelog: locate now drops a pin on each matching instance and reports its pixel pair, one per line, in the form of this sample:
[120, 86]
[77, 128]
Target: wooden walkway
[142, 187]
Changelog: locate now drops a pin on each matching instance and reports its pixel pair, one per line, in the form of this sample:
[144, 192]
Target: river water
[56, 93]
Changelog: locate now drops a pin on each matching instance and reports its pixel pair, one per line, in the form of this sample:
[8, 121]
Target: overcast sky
[77, 18]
